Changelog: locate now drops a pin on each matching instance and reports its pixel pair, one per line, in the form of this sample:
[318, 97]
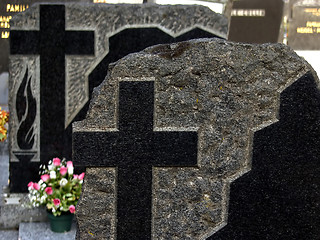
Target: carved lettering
[5, 34]
[304, 30]
[17, 7]
[248, 12]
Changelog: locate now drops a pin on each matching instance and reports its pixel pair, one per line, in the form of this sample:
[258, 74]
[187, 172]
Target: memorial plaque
[60, 52]
[304, 28]
[203, 139]
[255, 21]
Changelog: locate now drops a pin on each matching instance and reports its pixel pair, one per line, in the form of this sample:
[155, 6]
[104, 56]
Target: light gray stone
[224, 90]
[14, 210]
[9, 235]
[37, 231]
[4, 79]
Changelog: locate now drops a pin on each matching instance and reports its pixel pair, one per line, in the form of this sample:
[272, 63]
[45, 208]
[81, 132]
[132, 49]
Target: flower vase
[60, 223]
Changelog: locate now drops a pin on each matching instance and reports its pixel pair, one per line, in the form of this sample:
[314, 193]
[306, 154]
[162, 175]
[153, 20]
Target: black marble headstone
[255, 21]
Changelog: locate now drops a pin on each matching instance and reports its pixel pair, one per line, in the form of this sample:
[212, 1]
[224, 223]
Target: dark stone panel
[4, 55]
[20, 43]
[134, 150]
[79, 42]
[52, 80]
[303, 31]
[23, 172]
[280, 197]
[253, 29]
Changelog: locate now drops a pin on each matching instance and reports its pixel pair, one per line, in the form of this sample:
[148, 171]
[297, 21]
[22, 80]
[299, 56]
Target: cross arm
[95, 149]
[80, 42]
[24, 42]
[175, 149]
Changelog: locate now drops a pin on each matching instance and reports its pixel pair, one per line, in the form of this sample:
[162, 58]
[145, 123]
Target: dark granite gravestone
[304, 27]
[59, 53]
[255, 21]
[249, 114]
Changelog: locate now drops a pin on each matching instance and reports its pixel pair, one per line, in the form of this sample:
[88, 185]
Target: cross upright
[52, 43]
[134, 150]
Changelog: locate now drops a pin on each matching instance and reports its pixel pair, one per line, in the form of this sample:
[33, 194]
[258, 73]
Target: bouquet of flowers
[58, 189]
[4, 118]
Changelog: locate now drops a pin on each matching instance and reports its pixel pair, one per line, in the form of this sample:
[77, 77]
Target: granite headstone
[304, 27]
[60, 52]
[203, 139]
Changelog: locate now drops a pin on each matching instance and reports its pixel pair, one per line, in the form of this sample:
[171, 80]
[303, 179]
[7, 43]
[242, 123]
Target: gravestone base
[13, 211]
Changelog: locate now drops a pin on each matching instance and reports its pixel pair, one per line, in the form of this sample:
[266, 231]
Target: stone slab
[35, 231]
[4, 172]
[13, 211]
[255, 110]
[304, 27]
[9, 235]
[255, 21]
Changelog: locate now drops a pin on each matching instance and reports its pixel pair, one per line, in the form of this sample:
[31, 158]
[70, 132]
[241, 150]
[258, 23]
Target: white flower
[53, 175]
[63, 182]
[53, 210]
[43, 198]
[70, 170]
[81, 181]
[50, 167]
[40, 182]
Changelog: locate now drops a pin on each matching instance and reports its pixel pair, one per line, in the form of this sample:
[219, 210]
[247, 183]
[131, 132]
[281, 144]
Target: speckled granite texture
[226, 92]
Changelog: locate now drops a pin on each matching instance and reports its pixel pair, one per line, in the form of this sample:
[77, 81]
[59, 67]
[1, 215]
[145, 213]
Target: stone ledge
[12, 211]
[32, 231]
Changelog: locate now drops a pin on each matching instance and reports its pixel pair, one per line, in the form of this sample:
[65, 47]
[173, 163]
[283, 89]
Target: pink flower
[56, 202]
[48, 190]
[72, 209]
[75, 176]
[63, 170]
[81, 176]
[30, 185]
[56, 161]
[69, 164]
[36, 186]
[45, 177]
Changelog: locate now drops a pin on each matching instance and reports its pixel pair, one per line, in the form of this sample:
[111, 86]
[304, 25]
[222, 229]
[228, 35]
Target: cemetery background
[280, 29]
